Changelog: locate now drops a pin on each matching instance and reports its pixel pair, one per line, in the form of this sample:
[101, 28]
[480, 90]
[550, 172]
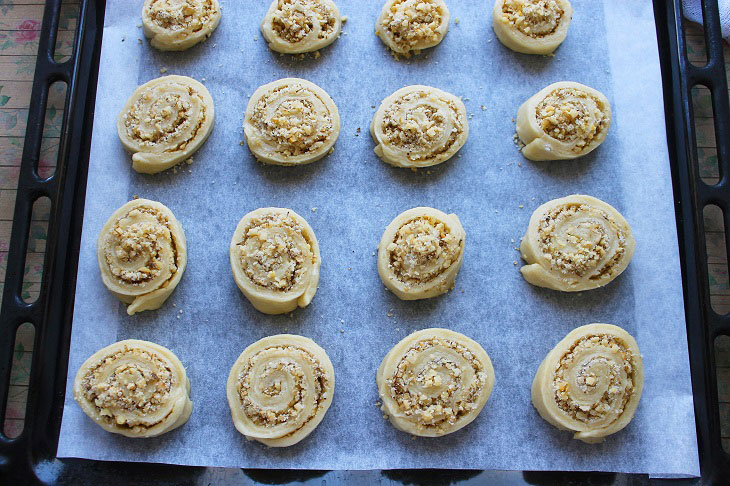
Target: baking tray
[30, 457]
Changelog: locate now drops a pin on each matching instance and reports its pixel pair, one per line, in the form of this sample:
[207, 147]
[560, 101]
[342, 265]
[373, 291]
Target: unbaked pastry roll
[419, 126]
[275, 260]
[142, 254]
[434, 382]
[531, 26]
[175, 25]
[165, 121]
[134, 388]
[420, 253]
[296, 26]
[279, 389]
[412, 25]
[591, 382]
[291, 122]
[565, 120]
[576, 243]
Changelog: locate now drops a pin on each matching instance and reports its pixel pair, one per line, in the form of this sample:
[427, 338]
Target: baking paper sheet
[207, 322]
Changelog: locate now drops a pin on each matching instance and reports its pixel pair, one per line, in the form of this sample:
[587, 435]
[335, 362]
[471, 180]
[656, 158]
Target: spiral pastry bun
[576, 243]
[176, 25]
[134, 388]
[291, 122]
[419, 126]
[531, 26]
[565, 120]
[420, 253]
[434, 382]
[412, 25]
[165, 121]
[296, 26]
[279, 389]
[142, 254]
[275, 260]
[591, 382]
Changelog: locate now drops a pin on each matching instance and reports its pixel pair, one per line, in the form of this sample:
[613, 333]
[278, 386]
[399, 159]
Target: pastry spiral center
[181, 15]
[572, 116]
[411, 23]
[534, 18]
[294, 20]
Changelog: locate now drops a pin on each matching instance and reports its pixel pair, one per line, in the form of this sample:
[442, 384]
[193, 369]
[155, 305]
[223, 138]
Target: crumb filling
[594, 379]
[429, 387]
[422, 249]
[275, 251]
[293, 20]
[181, 16]
[413, 125]
[157, 118]
[282, 375]
[413, 24]
[577, 238]
[573, 116]
[295, 126]
[533, 18]
[129, 387]
[140, 249]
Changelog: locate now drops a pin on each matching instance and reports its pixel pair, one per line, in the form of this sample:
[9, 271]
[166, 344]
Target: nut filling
[412, 25]
[182, 16]
[572, 116]
[294, 20]
[533, 18]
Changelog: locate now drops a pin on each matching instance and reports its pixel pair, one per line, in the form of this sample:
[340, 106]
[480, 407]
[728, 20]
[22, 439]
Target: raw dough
[142, 254]
[165, 121]
[420, 253]
[279, 389]
[296, 26]
[175, 25]
[275, 260]
[434, 382]
[565, 120]
[419, 126]
[591, 382]
[531, 26]
[134, 388]
[412, 25]
[291, 122]
[576, 243]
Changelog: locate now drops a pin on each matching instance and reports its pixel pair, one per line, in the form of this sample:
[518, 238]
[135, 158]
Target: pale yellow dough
[420, 253]
[296, 26]
[165, 121]
[591, 382]
[142, 254]
[419, 126]
[275, 260]
[291, 122]
[176, 25]
[412, 25]
[434, 382]
[279, 389]
[134, 388]
[565, 120]
[576, 243]
[531, 26]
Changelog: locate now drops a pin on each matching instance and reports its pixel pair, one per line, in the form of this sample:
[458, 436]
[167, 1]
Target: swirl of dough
[142, 254]
[576, 243]
[176, 25]
[420, 253]
[565, 120]
[134, 388]
[165, 121]
[434, 382]
[531, 26]
[275, 260]
[419, 126]
[279, 389]
[296, 26]
[591, 382]
[291, 122]
[412, 25]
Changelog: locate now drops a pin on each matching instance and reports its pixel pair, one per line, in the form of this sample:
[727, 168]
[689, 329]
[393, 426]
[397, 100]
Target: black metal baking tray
[30, 458]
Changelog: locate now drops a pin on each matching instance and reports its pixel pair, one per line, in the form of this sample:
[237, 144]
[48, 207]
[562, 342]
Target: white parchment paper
[207, 322]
